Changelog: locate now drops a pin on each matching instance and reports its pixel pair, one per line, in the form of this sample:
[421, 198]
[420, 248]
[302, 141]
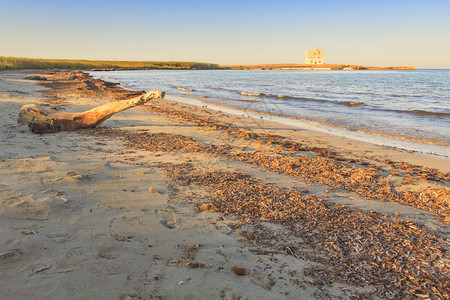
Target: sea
[408, 110]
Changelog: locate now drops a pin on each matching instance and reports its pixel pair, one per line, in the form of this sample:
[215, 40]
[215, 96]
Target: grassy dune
[20, 63]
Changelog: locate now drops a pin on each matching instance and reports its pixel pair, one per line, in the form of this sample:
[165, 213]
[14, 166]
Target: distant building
[314, 57]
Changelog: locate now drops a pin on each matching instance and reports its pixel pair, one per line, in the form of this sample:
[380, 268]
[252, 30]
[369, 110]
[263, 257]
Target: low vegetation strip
[21, 63]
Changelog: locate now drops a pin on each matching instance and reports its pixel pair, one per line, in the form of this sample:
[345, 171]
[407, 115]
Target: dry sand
[83, 216]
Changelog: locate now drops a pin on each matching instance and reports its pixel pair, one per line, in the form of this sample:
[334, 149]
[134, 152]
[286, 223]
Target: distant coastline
[22, 63]
[323, 67]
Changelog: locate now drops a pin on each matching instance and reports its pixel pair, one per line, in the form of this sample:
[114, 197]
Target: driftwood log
[40, 120]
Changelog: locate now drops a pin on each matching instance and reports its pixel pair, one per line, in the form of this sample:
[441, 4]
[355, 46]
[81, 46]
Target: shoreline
[175, 201]
[422, 145]
[404, 137]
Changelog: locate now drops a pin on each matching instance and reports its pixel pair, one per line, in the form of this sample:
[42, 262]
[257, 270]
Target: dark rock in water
[36, 77]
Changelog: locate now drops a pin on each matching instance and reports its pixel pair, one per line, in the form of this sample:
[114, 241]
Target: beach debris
[195, 265]
[182, 88]
[40, 120]
[208, 206]
[152, 190]
[189, 251]
[123, 238]
[81, 84]
[398, 257]
[189, 248]
[241, 271]
[184, 281]
[28, 232]
[130, 297]
[325, 168]
[36, 77]
[38, 268]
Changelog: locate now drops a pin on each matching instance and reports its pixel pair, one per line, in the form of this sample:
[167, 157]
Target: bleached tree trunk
[40, 120]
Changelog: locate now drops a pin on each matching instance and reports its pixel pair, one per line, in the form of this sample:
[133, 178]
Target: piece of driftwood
[40, 120]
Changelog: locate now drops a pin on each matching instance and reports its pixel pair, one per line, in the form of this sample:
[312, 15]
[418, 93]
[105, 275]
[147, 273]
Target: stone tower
[314, 57]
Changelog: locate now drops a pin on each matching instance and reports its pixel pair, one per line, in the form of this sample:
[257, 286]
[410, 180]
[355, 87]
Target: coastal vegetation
[21, 63]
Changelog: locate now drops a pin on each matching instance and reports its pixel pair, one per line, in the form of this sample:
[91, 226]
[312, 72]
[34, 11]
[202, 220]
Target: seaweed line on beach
[209, 123]
[366, 182]
[401, 259]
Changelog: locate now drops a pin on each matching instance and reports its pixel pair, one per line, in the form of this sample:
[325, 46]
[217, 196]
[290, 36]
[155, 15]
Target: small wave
[251, 94]
[352, 103]
[405, 96]
[281, 97]
[195, 96]
[291, 98]
[416, 112]
[364, 93]
[236, 100]
[182, 88]
[427, 113]
[242, 100]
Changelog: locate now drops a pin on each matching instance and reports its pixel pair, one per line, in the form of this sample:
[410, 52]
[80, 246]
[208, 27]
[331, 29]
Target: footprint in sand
[168, 219]
[12, 201]
[41, 288]
[38, 215]
[78, 176]
[107, 252]
[22, 209]
[39, 268]
[105, 268]
[10, 256]
[263, 280]
[60, 237]
[232, 294]
[170, 223]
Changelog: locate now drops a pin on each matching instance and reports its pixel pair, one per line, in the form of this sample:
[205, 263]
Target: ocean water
[412, 108]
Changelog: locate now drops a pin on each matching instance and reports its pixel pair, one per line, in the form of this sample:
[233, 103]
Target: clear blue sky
[379, 33]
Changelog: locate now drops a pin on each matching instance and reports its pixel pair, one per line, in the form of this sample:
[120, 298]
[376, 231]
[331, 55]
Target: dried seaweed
[398, 257]
[367, 182]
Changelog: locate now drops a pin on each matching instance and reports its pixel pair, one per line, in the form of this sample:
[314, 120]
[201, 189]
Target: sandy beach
[172, 201]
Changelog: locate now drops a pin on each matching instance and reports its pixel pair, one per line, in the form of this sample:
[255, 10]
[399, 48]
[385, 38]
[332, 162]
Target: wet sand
[171, 201]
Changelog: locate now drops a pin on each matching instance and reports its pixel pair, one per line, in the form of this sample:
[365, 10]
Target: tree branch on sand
[40, 120]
